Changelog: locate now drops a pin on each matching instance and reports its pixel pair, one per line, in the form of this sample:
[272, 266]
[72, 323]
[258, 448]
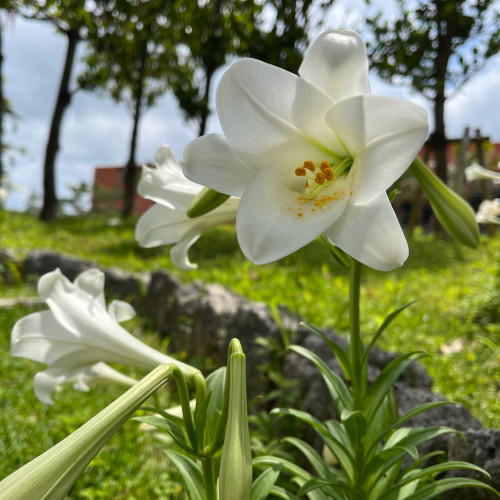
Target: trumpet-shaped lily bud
[452, 211]
[77, 332]
[169, 221]
[53, 473]
[235, 476]
[206, 201]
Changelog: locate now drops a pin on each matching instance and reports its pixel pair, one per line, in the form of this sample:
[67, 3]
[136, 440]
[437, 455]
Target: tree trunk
[50, 203]
[2, 111]
[206, 110]
[131, 167]
[447, 27]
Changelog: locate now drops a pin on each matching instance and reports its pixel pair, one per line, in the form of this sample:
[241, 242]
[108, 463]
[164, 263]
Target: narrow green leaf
[319, 464]
[433, 490]
[278, 491]
[215, 386]
[177, 432]
[288, 467]
[405, 417]
[192, 476]
[430, 472]
[339, 392]
[387, 321]
[320, 483]
[383, 383]
[263, 484]
[340, 354]
[340, 452]
[355, 425]
[343, 259]
[416, 436]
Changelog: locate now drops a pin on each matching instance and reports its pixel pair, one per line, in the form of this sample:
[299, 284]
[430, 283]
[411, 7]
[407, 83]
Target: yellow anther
[328, 173]
[320, 178]
[309, 165]
[300, 171]
[324, 166]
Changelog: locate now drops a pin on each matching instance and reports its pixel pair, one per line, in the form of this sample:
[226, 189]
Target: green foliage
[454, 284]
[418, 43]
[371, 449]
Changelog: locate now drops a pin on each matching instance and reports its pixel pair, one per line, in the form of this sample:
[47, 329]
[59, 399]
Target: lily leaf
[192, 476]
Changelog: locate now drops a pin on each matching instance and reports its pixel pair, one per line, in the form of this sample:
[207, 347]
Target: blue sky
[96, 131]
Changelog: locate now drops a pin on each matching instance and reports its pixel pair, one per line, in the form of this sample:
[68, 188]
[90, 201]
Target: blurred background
[89, 84]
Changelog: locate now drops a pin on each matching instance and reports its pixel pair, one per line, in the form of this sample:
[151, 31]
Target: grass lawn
[452, 322]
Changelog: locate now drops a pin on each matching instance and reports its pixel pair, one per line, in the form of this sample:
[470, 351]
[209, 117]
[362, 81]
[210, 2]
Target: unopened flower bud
[205, 201]
[452, 211]
[235, 476]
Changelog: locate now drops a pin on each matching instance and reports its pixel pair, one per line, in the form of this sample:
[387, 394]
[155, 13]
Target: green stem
[209, 478]
[355, 344]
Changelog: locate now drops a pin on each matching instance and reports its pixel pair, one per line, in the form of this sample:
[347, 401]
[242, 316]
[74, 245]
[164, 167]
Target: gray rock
[118, 283]
[480, 447]
[40, 262]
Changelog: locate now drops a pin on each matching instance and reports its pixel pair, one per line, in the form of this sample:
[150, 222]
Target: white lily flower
[311, 154]
[489, 212]
[476, 172]
[77, 332]
[167, 223]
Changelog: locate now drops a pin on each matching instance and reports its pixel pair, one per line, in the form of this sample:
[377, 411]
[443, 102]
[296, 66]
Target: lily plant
[167, 222]
[308, 155]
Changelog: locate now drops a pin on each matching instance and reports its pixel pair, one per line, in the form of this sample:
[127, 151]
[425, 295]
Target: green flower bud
[452, 211]
[235, 475]
[205, 201]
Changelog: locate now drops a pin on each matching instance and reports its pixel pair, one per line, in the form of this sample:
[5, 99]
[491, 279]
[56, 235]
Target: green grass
[454, 286]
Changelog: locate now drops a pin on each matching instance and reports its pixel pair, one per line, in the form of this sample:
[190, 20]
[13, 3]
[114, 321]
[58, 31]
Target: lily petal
[212, 153]
[161, 225]
[179, 253]
[274, 221]
[371, 234]
[121, 311]
[336, 63]
[270, 115]
[383, 135]
[166, 184]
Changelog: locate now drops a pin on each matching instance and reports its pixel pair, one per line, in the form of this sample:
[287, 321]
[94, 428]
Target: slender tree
[130, 56]
[71, 19]
[435, 46]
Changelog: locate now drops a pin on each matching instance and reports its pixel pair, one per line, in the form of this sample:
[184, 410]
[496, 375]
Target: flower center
[317, 179]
